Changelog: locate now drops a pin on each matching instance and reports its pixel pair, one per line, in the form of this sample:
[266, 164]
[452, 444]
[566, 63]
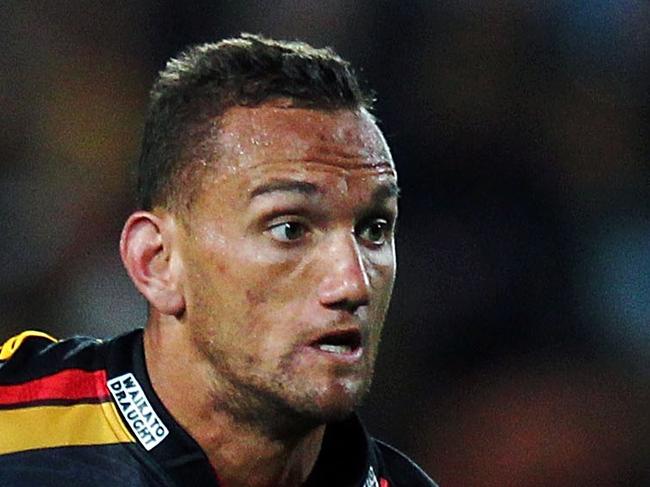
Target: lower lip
[351, 357]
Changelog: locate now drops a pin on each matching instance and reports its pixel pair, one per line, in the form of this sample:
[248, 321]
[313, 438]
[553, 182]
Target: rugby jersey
[82, 412]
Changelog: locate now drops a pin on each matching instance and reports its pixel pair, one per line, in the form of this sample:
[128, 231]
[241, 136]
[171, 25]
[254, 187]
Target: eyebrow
[386, 191]
[291, 186]
[383, 192]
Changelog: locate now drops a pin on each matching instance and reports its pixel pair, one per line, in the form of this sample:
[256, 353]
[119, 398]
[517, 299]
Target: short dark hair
[207, 79]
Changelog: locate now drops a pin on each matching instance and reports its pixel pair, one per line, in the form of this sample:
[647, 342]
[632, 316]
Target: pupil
[291, 231]
[375, 232]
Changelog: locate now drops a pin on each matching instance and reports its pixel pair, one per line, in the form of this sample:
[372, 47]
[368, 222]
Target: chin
[333, 403]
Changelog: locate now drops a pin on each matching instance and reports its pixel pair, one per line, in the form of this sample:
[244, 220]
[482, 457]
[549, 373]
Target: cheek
[259, 290]
[381, 269]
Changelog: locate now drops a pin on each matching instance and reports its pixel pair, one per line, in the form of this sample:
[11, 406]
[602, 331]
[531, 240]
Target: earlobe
[147, 250]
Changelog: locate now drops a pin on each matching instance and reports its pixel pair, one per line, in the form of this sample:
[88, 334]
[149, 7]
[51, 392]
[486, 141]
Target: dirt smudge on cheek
[255, 297]
[249, 360]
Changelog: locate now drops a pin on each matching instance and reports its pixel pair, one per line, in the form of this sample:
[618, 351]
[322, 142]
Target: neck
[244, 453]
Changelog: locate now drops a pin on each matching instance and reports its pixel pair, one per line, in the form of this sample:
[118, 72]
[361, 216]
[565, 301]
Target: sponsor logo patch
[371, 479]
[137, 410]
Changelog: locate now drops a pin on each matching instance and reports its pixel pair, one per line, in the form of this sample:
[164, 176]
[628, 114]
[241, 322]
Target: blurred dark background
[517, 351]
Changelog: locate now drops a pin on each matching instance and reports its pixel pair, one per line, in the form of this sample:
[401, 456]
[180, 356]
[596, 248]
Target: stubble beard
[280, 404]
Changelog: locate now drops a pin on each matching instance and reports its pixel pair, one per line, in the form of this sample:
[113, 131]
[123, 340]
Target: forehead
[273, 137]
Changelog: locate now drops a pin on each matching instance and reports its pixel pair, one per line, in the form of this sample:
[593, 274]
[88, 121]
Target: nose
[345, 283]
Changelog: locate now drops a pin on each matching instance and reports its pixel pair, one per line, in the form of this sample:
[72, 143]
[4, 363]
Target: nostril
[349, 306]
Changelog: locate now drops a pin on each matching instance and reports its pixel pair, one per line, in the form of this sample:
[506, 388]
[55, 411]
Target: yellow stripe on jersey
[14, 343]
[55, 426]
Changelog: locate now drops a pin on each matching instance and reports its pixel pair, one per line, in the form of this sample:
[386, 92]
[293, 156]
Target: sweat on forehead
[269, 134]
[271, 137]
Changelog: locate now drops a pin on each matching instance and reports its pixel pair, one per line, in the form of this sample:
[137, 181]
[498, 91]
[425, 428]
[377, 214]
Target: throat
[250, 459]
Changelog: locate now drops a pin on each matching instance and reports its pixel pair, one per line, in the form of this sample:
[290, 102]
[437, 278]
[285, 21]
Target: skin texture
[288, 242]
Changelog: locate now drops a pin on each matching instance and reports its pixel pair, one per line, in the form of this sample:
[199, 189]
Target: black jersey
[82, 412]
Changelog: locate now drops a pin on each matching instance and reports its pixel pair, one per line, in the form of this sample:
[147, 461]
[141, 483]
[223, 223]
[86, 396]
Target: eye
[375, 231]
[287, 231]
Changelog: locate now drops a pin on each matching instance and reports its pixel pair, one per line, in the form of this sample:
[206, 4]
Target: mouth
[342, 342]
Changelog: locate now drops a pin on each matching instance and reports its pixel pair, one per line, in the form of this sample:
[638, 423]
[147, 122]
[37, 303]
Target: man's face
[289, 258]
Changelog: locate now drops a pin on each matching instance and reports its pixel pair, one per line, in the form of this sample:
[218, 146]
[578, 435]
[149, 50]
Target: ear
[148, 253]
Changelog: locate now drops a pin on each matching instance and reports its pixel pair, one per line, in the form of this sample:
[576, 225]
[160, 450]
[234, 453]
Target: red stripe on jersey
[70, 384]
[383, 483]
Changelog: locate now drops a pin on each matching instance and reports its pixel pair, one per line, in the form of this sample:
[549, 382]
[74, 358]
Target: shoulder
[400, 470]
[32, 355]
[36, 369]
[55, 410]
